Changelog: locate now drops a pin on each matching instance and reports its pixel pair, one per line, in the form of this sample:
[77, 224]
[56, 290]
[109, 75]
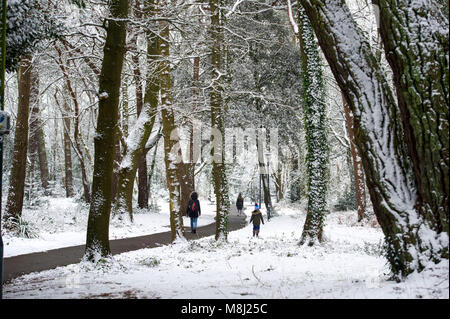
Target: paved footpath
[16, 266]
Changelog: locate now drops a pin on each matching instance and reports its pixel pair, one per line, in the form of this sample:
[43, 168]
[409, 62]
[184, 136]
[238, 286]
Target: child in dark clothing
[256, 218]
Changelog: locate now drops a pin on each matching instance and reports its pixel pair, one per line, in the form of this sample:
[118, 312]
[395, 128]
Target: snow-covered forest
[329, 119]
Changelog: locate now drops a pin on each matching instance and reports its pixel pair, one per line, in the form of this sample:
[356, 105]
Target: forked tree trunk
[415, 39]
[142, 129]
[97, 240]
[409, 193]
[142, 168]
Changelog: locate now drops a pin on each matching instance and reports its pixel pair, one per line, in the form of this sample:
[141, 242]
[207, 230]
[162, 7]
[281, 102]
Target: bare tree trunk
[116, 166]
[43, 162]
[33, 138]
[142, 169]
[263, 171]
[68, 180]
[358, 169]
[37, 151]
[170, 131]
[17, 178]
[97, 239]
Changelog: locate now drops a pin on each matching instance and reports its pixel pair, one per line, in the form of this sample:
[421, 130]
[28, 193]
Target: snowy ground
[347, 265]
[62, 222]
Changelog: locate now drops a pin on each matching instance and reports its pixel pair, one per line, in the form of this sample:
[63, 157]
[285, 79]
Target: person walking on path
[240, 204]
[193, 211]
[257, 219]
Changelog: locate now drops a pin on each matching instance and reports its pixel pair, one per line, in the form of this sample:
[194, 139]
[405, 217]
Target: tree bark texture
[219, 177]
[358, 170]
[394, 172]
[313, 98]
[415, 39]
[97, 240]
[170, 133]
[68, 180]
[14, 202]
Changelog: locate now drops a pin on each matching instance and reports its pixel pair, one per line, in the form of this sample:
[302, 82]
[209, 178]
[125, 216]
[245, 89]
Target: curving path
[16, 266]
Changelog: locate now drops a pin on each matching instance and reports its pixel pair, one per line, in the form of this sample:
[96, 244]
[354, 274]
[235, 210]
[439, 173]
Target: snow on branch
[236, 4]
[291, 17]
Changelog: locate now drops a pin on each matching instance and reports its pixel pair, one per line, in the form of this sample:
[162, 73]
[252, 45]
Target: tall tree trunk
[219, 177]
[170, 131]
[37, 151]
[392, 180]
[97, 239]
[68, 180]
[295, 190]
[263, 171]
[358, 170]
[142, 169]
[14, 202]
[313, 98]
[43, 161]
[117, 161]
[33, 125]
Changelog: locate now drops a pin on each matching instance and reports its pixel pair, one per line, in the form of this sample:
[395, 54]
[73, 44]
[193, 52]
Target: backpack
[191, 208]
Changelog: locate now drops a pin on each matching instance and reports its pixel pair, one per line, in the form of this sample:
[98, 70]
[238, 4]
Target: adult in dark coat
[240, 203]
[193, 211]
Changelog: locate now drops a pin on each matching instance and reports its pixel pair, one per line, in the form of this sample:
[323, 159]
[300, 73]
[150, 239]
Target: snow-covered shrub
[22, 227]
[150, 261]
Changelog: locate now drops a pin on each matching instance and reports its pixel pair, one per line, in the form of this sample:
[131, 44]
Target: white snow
[64, 224]
[347, 265]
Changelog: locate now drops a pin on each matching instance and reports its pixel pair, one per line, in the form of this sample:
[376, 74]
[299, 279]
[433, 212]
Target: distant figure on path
[240, 204]
[257, 218]
[193, 211]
